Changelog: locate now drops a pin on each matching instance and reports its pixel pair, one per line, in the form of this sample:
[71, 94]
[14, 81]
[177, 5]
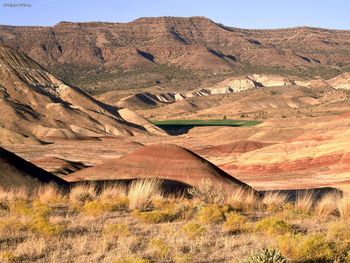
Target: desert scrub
[243, 199]
[186, 258]
[20, 193]
[157, 216]
[305, 201]
[339, 234]
[234, 223]
[289, 211]
[7, 256]
[20, 208]
[344, 208]
[213, 214]
[265, 256]
[98, 207]
[274, 201]
[132, 259]
[50, 194]
[11, 225]
[193, 230]
[273, 226]
[168, 213]
[327, 205]
[27, 209]
[113, 191]
[306, 248]
[83, 193]
[159, 248]
[208, 193]
[142, 191]
[117, 230]
[43, 227]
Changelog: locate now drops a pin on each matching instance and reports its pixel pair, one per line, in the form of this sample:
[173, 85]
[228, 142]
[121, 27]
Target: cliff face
[196, 43]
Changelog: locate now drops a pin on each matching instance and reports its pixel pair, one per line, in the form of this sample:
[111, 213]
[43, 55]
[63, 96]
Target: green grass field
[212, 122]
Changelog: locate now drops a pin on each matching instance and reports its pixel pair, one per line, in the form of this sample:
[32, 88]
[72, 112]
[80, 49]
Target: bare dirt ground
[290, 152]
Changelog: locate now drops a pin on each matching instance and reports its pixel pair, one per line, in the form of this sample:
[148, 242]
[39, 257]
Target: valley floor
[142, 225]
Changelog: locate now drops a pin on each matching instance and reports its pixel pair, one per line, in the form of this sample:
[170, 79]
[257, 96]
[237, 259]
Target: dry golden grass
[274, 200]
[83, 193]
[209, 193]
[304, 201]
[142, 191]
[327, 205]
[243, 199]
[344, 208]
[10, 194]
[50, 194]
[98, 226]
[113, 191]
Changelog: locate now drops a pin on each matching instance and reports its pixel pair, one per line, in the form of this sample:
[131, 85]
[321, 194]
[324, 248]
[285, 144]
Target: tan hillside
[38, 105]
[173, 50]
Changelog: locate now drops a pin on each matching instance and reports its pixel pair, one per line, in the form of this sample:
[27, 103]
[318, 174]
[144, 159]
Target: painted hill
[15, 171]
[163, 161]
[38, 105]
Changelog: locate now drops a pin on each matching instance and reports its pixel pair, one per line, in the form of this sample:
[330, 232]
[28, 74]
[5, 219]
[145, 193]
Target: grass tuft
[304, 201]
[327, 205]
[243, 199]
[142, 191]
[82, 193]
[274, 201]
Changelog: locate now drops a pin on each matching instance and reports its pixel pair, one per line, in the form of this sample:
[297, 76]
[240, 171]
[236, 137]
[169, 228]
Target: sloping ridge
[39, 105]
[15, 171]
[233, 148]
[164, 161]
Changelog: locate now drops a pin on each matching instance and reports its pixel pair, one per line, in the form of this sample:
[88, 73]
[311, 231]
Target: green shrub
[310, 248]
[273, 226]
[193, 230]
[212, 214]
[22, 208]
[265, 256]
[43, 227]
[98, 207]
[169, 213]
[160, 249]
[155, 216]
[117, 230]
[234, 223]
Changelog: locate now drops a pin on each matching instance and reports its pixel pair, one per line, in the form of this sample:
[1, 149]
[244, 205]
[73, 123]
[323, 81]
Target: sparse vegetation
[273, 226]
[139, 223]
[265, 256]
[327, 205]
[142, 191]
